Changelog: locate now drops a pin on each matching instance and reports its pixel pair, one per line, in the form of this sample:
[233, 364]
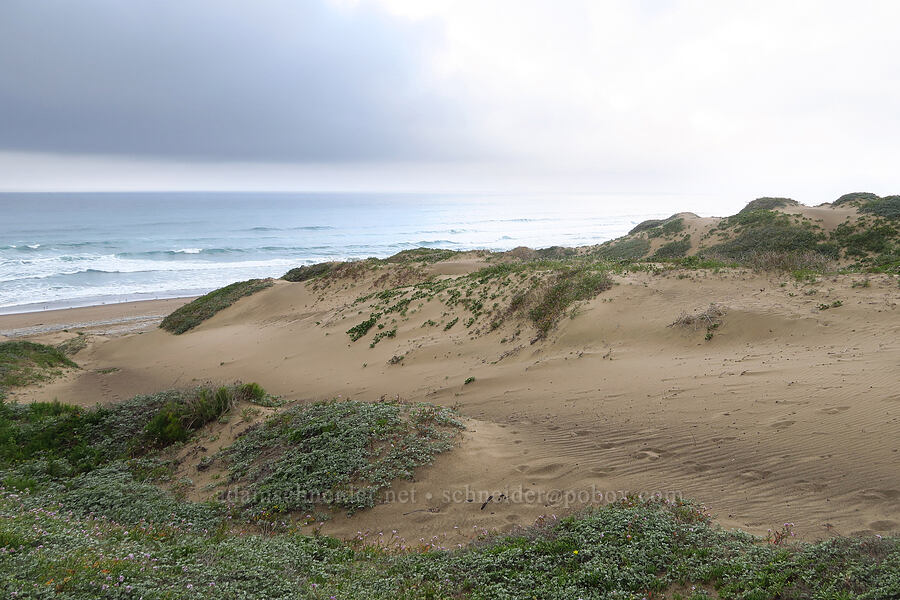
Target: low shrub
[646, 225]
[307, 272]
[861, 239]
[855, 198]
[422, 255]
[887, 207]
[765, 234]
[768, 204]
[675, 249]
[785, 261]
[23, 363]
[336, 454]
[193, 313]
[625, 249]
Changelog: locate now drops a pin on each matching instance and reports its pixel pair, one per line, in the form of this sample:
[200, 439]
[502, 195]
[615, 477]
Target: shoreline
[93, 301]
[104, 319]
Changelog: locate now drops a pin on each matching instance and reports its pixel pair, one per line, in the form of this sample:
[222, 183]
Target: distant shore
[119, 317]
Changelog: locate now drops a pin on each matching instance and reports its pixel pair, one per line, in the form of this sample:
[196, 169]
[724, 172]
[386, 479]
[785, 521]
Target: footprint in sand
[649, 454]
[523, 468]
[811, 486]
[598, 472]
[755, 474]
[548, 469]
[880, 495]
[886, 525]
[834, 410]
[781, 424]
[695, 467]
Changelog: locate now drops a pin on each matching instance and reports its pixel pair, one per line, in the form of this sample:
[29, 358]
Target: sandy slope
[788, 413]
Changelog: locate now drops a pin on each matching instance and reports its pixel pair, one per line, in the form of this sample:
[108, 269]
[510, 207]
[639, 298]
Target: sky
[691, 98]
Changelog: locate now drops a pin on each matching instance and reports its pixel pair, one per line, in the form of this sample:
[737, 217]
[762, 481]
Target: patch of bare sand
[789, 413]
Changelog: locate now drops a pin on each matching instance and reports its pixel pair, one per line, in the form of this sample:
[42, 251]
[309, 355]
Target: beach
[787, 414]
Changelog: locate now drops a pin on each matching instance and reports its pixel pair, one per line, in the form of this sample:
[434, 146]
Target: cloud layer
[220, 79]
[758, 97]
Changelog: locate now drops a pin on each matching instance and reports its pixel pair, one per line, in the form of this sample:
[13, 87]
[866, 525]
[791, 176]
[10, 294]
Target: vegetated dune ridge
[782, 406]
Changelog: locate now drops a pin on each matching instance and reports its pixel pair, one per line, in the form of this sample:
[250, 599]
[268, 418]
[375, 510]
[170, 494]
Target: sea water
[78, 249]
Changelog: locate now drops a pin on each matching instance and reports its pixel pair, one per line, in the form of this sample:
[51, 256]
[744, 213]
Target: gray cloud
[222, 80]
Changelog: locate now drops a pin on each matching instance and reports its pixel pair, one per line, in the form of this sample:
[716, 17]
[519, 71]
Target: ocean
[80, 249]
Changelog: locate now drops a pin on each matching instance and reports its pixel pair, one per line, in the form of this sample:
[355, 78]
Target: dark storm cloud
[220, 79]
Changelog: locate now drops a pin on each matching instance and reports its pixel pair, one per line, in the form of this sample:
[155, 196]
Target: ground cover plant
[335, 454]
[23, 363]
[633, 548]
[103, 527]
[195, 312]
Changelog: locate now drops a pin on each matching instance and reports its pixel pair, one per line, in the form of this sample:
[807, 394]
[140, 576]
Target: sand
[788, 414]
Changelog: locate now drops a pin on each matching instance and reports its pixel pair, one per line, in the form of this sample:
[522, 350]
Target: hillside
[745, 362]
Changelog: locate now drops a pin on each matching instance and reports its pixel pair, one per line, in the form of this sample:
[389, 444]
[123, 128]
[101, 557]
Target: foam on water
[69, 249]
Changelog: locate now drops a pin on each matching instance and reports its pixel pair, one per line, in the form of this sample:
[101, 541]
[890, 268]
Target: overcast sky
[745, 98]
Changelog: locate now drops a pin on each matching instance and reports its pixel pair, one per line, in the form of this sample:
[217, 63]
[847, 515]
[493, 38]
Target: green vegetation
[193, 313]
[55, 439]
[23, 363]
[547, 303]
[629, 549]
[658, 227]
[624, 249]
[757, 231]
[861, 239]
[337, 454]
[74, 345]
[887, 207]
[390, 333]
[358, 331]
[646, 225]
[768, 204]
[672, 226]
[82, 517]
[553, 253]
[307, 272]
[868, 203]
[179, 417]
[675, 249]
[422, 255]
[834, 304]
[855, 198]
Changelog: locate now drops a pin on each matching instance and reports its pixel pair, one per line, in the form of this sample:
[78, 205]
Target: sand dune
[788, 413]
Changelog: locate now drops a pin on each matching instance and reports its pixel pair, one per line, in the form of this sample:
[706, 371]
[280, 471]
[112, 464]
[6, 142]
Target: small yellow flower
[574, 551]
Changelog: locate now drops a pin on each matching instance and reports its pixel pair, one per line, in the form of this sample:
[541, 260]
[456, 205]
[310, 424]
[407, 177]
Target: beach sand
[788, 414]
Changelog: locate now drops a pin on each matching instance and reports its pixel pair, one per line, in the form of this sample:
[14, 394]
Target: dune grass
[547, 303]
[24, 363]
[193, 313]
[60, 439]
